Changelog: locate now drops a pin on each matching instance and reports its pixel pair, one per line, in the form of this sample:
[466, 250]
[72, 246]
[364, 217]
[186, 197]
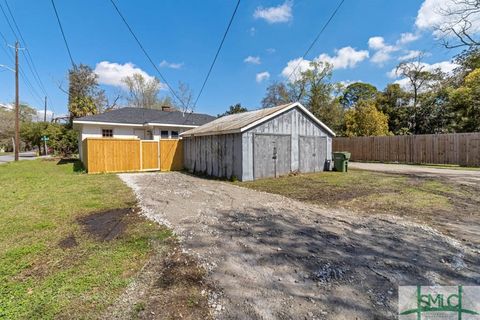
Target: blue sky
[364, 42]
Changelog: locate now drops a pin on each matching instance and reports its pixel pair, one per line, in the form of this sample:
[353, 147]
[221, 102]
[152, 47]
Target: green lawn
[53, 262]
[367, 191]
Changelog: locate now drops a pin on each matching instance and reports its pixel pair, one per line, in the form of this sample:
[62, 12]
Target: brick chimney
[166, 108]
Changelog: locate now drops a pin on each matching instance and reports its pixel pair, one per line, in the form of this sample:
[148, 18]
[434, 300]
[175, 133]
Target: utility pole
[45, 121]
[17, 106]
[45, 111]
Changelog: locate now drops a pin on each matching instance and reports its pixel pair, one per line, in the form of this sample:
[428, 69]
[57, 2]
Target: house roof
[140, 117]
[241, 122]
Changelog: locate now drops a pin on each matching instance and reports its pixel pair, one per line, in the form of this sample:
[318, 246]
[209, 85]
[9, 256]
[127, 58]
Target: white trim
[293, 105]
[107, 123]
[170, 125]
[154, 124]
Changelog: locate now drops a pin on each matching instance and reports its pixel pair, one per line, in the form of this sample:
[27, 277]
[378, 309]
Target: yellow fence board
[171, 155]
[150, 158]
[102, 155]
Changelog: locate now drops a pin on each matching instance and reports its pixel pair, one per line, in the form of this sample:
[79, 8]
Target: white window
[107, 133]
[174, 134]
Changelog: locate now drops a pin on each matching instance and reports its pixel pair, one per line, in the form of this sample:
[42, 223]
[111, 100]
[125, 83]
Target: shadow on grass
[77, 164]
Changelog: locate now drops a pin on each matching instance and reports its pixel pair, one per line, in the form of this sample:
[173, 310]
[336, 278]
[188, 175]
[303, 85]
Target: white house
[138, 123]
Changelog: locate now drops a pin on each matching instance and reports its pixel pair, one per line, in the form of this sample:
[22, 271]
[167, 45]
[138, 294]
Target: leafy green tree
[358, 91]
[420, 80]
[365, 120]
[233, 109]
[465, 103]
[7, 128]
[393, 102]
[84, 95]
[31, 133]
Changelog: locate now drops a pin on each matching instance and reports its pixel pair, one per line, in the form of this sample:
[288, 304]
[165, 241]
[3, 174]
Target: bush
[61, 138]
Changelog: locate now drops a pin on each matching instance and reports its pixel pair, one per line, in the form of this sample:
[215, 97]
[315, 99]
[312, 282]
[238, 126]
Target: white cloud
[344, 58]
[171, 65]
[407, 38]
[7, 106]
[271, 50]
[383, 50]
[295, 67]
[111, 73]
[346, 83]
[441, 14]
[252, 60]
[262, 76]
[40, 113]
[279, 14]
[444, 66]
[410, 54]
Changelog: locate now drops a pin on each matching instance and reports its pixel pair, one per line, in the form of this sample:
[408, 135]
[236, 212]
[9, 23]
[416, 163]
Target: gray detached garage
[259, 144]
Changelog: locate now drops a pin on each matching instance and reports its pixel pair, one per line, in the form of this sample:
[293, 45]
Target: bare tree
[419, 80]
[462, 19]
[184, 98]
[277, 94]
[142, 92]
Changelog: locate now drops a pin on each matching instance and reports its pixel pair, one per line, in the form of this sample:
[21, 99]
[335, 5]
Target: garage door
[313, 152]
[271, 155]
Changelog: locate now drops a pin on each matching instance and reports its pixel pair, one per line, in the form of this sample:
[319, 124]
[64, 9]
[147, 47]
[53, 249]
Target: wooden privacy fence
[124, 155]
[452, 148]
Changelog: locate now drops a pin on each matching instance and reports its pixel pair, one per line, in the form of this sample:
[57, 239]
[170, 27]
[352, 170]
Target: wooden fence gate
[101, 155]
[451, 148]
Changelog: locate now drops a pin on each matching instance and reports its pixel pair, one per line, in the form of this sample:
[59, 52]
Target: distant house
[138, 123]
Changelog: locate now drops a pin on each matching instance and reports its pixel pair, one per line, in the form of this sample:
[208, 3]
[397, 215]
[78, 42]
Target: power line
[216, 54]
[28, 56]
[8, 22]
[146, 53]
[63, 34]
[317, 37]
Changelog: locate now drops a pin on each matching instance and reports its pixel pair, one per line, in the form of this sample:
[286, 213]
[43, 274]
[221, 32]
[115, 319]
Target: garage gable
[242, 122]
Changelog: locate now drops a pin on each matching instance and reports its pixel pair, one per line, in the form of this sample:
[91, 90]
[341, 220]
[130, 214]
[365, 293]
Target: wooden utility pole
[45, 111]
[45, 121]
[17, 106]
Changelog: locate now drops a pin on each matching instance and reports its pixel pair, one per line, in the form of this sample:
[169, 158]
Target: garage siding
[219, 156]
[250, 155]
[294, 123]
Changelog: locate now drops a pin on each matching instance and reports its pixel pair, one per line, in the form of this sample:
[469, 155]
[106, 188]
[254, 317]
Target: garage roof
[241, 122]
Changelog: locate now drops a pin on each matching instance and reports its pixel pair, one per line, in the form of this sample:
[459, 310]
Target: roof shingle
[131, 115]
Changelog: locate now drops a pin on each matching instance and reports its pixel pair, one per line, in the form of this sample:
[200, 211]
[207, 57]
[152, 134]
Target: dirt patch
[106, 225]
[68, 242]
[171, 285]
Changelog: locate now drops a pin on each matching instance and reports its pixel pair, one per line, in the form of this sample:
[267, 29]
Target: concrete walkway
[457, 175]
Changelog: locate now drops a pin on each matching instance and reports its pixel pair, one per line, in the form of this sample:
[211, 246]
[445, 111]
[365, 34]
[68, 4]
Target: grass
[368, 191]
[5, 153]
[41, 202]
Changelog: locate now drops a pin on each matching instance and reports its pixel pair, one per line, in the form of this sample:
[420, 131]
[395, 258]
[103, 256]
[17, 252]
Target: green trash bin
[340, 161]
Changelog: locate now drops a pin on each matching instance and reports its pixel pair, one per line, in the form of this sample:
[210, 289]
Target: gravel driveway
[274, 258]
